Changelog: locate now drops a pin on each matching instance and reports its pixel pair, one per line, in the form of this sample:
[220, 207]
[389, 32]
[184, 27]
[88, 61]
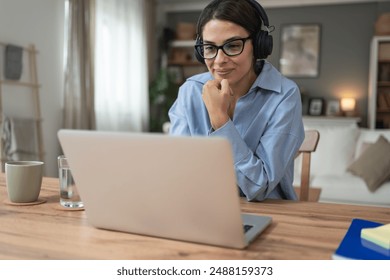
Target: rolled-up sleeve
[259, 169]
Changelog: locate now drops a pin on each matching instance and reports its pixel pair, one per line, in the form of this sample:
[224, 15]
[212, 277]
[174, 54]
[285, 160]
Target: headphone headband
[261, 11]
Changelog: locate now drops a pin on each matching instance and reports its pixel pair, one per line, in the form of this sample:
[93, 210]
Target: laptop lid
[152, 184]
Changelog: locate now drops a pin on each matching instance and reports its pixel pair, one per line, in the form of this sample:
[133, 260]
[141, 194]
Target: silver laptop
[181, 188]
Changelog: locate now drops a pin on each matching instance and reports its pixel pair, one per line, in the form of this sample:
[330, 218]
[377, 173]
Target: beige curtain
[79, 65]
[121, 65]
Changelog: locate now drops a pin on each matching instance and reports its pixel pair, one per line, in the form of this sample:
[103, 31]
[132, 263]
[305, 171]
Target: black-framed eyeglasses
[231, 48]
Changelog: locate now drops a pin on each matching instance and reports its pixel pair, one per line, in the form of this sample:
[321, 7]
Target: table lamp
[348, 105]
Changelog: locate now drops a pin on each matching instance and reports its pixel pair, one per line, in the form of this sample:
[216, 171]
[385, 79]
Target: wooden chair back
[308, 146]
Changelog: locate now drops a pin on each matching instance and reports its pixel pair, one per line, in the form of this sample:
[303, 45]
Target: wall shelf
[314, 121]
[379, 83]
[384, 84]
[181, 55]
[182, 43]
[22, 84]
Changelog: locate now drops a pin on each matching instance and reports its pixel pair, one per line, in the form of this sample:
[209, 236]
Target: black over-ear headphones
[262, 41]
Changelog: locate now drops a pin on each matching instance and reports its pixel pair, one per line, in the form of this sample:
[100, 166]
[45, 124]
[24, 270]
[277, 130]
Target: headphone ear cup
[262, 45]
[197, 55]
[268, 44]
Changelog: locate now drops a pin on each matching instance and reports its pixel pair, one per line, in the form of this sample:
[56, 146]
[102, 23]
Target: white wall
[190, 5]
[40, 22]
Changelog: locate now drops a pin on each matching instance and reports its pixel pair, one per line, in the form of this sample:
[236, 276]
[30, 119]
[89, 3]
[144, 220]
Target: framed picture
[316, 106]
[300, 50]
[333, 108]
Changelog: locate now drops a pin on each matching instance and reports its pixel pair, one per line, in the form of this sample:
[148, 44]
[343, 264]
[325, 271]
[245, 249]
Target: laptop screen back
[152, 184]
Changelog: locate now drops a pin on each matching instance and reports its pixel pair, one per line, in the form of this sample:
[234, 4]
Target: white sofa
[338, 147]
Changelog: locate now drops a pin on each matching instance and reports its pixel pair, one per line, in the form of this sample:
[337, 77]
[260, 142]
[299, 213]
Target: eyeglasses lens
[231, 48]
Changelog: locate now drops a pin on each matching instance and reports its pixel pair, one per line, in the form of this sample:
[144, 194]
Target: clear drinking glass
[69, 195]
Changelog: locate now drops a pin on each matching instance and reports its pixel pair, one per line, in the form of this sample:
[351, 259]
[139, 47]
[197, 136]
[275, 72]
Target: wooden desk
[300, 230]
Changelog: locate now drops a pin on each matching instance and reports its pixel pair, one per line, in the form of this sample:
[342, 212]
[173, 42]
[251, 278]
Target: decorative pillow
[373, 165]
[369, 136]
[363, 147]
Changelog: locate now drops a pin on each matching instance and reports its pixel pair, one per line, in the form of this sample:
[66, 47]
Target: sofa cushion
[373, 165]
[335, 150]
[350, 189]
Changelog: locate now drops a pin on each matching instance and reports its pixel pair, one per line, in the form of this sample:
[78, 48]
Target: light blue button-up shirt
[266, 131]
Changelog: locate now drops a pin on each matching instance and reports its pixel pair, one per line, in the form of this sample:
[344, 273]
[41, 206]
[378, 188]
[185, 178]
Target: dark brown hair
[240, 12]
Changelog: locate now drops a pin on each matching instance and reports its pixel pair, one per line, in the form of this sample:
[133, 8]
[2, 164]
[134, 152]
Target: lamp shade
[348, 104]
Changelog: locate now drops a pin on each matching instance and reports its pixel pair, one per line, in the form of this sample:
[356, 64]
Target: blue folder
[353, 247]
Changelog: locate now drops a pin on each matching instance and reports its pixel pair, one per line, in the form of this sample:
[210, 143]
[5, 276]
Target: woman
[243, 98]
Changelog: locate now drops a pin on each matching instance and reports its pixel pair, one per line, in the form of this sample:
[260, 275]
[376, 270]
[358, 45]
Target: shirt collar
[269, 78]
